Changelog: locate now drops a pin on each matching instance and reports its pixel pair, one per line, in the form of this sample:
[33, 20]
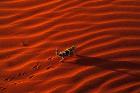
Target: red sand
[107, 35]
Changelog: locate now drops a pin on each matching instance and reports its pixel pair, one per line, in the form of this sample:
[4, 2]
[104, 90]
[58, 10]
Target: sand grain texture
[107, 35]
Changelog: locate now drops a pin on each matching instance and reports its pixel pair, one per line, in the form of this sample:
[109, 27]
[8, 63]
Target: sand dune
[106, 33]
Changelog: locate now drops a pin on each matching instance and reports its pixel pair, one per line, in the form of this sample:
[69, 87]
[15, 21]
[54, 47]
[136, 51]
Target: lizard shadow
[109, 65]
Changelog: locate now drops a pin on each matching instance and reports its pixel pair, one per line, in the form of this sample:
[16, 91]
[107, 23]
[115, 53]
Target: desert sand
[107, 38]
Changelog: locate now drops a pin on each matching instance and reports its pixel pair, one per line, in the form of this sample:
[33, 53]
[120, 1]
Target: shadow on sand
[109, 65]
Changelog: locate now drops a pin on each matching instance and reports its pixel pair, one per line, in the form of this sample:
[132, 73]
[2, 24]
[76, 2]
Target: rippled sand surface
[106, 33]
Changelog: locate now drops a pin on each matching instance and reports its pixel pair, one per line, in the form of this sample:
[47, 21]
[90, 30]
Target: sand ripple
[106, 33]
